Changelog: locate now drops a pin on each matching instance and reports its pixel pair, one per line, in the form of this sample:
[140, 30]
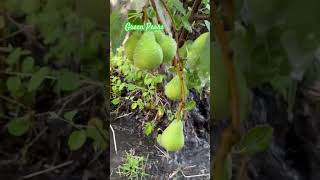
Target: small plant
[134, 166]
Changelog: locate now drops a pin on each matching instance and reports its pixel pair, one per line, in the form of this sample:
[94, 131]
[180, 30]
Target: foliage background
[52, 107]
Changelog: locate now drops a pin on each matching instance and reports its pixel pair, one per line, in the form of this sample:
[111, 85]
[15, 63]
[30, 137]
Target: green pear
[173, 89]
[172, 138]
[148, 53]
[199, 53]
[131, 44]
[168, 45]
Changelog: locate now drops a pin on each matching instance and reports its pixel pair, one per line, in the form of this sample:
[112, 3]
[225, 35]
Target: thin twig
[124, 115]
[35, 139]
[230, 135]
[12, 101]
[47, 170]
[12, 35]
[114, 140]
[153, 3]
[193, 176]
[184, 32]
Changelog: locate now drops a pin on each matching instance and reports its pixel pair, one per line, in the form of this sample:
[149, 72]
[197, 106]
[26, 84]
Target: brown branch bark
[228, 11]
[230, 135]
[199, 17]
[184, 32]
[153, 3]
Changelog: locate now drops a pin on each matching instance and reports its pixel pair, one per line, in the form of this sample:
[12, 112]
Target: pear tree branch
[178, 64]
[231, 134]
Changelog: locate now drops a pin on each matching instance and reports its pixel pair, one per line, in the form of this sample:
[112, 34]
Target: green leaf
[13, 84]
[115, 101]
[179, 6]
[186, 24]
[117, 31]
[134, 17]
[96, 131]
[68, 81]
[77, 139]
[70, 114]
[15, 55]
[27, 65]
[256, 140]
[134, 105]
[19, 126]
[37, 78]
[160, 112]
[148, 128]
[131, 87]
[94, 125]
[100, 141]
[190, 105]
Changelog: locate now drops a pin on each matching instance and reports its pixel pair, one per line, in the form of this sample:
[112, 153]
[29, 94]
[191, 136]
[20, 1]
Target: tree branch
[199, 17]
[184, 32]
[231, 135]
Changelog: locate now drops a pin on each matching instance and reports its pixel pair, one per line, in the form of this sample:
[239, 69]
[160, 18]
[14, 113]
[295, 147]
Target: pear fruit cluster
[172, 138]
[150, 49]
[173, 89]
[168, 45]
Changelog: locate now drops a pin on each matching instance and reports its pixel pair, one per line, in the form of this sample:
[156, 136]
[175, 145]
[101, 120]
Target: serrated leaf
[77, 139]
[256, 140]
[19, 126]
[27, 65]
[37, 78]
[68, 81]
[70, 114]
[13, 84]
[148, 128]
